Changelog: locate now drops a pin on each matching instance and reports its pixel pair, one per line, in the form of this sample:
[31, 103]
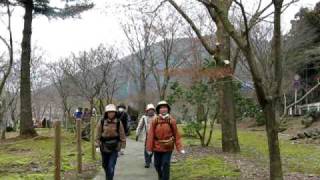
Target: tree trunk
[26, 122]
[3, 133]
[272, 104]
[227, 114]
[65, 111]
[101, 106]
[3, 126]
[143, 90]
[91, 105]
[273, 141]
[226, 99]
[229, 129]
[166, 81]
[13, 118]
[163, 93]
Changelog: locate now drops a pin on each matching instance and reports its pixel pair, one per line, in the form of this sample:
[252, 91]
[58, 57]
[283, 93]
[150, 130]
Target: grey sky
[58, 38]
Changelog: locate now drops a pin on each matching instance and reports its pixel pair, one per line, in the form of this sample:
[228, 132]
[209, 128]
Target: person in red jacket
[162, 138]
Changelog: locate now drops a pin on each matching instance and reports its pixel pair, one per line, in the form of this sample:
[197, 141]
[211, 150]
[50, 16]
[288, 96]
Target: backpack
[169, 143]
[118, 126]
[110, 143]
[167, 121]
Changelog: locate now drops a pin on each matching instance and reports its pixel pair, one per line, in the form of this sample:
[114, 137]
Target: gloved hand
[137, 138]
[183, 151]
[149, 153]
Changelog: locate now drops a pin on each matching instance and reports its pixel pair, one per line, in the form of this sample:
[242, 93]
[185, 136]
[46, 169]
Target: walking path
[131, 165]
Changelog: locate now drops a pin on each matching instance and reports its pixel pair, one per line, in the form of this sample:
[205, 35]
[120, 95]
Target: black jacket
[124, 118]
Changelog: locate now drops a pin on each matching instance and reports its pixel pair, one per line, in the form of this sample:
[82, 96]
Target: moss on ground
[301, 158]
[34, 158]
[209, 167]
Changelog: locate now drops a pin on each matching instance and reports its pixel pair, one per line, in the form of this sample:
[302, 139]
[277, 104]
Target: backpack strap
[102, 124]
[117, 124]
[166, 121]
[171, 126]
[156, 123]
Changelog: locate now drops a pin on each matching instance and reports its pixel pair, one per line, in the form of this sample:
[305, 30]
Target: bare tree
[268, 80]
[140, 39]
[5, 67]
[8, 106]
[40, 80]
[89, 71]
[9, 101]
[3, 122]
[13, 105]
[166, 27]
[63, 86]
[220, 52]
[111, 86]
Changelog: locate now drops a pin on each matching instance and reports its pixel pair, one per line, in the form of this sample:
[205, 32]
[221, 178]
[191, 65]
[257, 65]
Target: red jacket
[160, 130]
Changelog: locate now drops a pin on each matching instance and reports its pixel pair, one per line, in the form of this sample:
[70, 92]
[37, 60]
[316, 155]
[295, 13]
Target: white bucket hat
[150, 106]
[111, 108]
[162, 103]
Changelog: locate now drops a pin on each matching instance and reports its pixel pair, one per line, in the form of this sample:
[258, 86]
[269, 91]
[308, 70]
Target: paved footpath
[131, 165]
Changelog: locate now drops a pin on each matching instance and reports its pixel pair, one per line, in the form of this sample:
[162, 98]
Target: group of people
[85, 117]
[157, 128]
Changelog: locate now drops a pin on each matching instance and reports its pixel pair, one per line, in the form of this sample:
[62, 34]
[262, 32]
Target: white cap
[150, 106]
[161, 103]
[111, 108]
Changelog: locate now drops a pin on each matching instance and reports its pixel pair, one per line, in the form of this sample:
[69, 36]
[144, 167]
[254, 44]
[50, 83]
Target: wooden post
[57, 150]
[79, 151]
[66, 120]
[295, 101]
[93, 146]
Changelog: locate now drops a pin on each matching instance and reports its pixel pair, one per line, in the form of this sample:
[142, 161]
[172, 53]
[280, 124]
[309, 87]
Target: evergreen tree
[71, 9]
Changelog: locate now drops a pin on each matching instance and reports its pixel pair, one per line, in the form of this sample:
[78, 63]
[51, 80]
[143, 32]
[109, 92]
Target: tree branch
[206, 45]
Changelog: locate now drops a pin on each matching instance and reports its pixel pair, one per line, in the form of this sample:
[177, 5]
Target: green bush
[190, 129]
[198, 107]
[247, 107]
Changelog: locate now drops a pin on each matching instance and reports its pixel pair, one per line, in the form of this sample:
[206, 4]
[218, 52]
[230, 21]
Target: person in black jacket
[124, 118]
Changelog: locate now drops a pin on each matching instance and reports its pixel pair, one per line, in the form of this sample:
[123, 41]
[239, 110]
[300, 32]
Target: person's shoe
[147, 166]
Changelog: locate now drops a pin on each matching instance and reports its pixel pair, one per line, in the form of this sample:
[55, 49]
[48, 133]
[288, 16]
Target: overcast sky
[58, 38]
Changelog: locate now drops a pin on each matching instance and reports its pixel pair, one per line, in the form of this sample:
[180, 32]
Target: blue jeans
[162, 162]
[109, 161]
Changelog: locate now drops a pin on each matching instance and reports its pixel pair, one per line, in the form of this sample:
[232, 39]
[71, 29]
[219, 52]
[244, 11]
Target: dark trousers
[162, 162]
[109, 161]
[147, 157]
